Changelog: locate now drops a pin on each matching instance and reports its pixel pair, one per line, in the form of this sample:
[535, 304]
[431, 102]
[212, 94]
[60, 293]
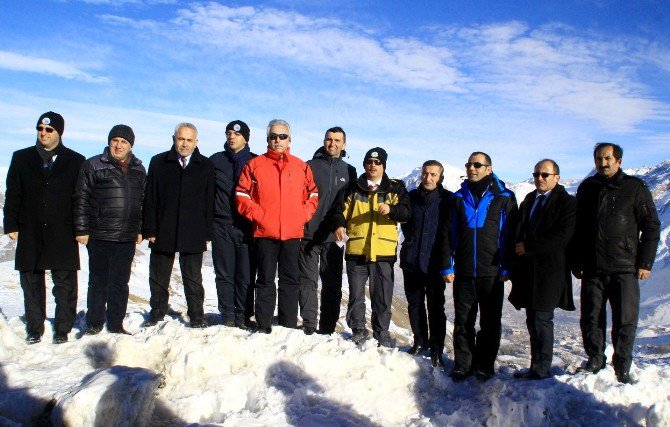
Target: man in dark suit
[38, 215]
[178, 216]
[540, 275]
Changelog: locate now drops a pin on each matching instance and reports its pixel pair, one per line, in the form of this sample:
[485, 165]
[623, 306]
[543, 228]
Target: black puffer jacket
[617, 225]
[107, 204]
[330, 175]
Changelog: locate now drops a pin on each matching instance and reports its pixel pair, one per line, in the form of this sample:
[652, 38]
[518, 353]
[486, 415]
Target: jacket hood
[497, 186]
[321, 153]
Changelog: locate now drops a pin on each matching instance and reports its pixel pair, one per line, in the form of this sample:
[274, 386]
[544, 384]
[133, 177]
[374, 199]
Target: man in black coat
[38, 215]
[178, 216]
[108, 220]
[420, 262]
[614, 246]
[232, 235]
[540, 274]
[320, 256]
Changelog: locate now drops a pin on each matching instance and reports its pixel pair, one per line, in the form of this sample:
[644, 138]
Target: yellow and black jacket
[372, 237]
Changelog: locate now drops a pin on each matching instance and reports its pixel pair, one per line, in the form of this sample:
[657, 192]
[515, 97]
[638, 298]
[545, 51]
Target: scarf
[239, 159]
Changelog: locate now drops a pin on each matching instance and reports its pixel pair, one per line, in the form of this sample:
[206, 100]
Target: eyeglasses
[373, 162]
[477, 165]
[45, 129]
[281, 136]
[544, 175]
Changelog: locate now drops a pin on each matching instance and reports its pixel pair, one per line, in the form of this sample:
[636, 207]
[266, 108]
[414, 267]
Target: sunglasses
[44, 128]
[477, 165]
[544, 175]
[373, 162]
[281, 136]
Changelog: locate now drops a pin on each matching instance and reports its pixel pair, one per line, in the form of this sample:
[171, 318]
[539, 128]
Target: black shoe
[309, 330]
[60, 338]
[264, 329]
[198, 324]
[359, 336]
[33, 338]
[385, 342]
[484, 374]
[625, 378]
[93, 330]
[529, 375]
[436, 359]
[153, 321]
[459, 374]
[118, 331]
[592, 366]
[416, 349]
[325, 331]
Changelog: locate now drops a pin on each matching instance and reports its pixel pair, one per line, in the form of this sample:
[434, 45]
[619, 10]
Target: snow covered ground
[172, 375]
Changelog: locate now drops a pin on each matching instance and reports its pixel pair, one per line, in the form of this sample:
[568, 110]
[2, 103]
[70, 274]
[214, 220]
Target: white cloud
[16, 62]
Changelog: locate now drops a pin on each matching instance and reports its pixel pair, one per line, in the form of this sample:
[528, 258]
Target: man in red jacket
[277, 193]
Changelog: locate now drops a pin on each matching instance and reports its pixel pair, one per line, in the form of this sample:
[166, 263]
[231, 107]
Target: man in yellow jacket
[366, 217]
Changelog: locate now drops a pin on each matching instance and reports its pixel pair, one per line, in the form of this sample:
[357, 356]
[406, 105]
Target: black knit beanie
[239, 126]
[122, 131]
[52, 119]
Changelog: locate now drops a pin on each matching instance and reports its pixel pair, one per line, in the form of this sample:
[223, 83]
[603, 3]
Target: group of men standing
[273, 213]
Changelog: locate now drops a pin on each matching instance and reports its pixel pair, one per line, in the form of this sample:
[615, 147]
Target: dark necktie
[183, 162]
[535, 216]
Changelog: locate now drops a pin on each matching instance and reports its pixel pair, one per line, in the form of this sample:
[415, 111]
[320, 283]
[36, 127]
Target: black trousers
[271, 253]
[472, 351]
[541, 330]
[321, 260]
[160, 269]
[623, 293]
[109, 273]
[231, 256]
[380, 274]
[423, 290]
[34, 300]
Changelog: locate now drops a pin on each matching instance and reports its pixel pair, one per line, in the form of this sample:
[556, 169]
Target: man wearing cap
[178, 215]
[108, 219]
[277, 193]
[232, 237]
[38, 215]
[320, 255]
[477, 250]
[366, 217]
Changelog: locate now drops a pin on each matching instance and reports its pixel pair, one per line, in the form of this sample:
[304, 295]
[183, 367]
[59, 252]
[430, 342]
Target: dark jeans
[34, 299]
[109, 272]
[423, 289]
[269, 254]
[160, 269]
[320, 260]
[623, 293]
[231, 257]
[381, 295]
[541, 330]
[470, 293]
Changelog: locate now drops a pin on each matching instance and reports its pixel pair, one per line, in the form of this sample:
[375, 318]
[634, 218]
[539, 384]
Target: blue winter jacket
[475, 236]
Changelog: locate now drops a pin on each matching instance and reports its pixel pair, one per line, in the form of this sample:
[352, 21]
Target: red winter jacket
[278, 194]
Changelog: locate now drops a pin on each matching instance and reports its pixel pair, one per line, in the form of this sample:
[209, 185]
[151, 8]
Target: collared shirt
[373, 183]
[537, 198]
[182, 159]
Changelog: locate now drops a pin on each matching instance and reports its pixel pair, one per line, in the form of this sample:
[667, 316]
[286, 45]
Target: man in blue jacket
[476, 254]
[319, 253]
[232, 237]
[420, 263]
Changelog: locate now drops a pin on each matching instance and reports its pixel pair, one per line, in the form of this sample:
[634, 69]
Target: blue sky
[521, 80]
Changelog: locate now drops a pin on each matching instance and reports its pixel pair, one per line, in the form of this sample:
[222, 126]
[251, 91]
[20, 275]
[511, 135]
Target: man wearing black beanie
[232, 239]
[108, 220]
[38, 215]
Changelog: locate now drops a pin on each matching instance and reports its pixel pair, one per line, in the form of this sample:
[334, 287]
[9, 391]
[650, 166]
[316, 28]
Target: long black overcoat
[179, 203]
[38, 204]
[541, 278]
